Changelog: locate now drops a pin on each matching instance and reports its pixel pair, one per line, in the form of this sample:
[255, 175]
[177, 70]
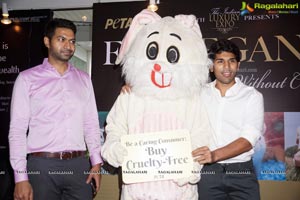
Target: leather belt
[64, 155]
[240, 167]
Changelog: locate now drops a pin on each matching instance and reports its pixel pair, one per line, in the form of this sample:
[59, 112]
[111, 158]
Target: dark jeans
[236, 181]
[54, 179]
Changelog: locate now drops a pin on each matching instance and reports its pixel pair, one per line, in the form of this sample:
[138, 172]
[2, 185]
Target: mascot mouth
[161, 80]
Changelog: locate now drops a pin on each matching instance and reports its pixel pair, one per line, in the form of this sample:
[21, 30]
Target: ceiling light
[153, 5]
[84, 18]
[5, 19]
[4, 10]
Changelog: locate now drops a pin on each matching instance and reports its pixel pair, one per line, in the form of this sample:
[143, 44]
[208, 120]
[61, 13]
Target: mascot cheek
[161, 80]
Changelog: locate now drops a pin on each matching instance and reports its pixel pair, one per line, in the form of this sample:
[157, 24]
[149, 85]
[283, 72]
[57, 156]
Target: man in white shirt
[236, 115]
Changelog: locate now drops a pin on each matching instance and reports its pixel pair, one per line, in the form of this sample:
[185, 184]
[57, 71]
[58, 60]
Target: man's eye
[61, 39]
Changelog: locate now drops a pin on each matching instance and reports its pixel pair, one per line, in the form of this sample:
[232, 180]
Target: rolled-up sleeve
[254, 118]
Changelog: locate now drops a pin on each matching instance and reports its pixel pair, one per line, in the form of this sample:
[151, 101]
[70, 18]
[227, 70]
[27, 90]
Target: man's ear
[47, 42]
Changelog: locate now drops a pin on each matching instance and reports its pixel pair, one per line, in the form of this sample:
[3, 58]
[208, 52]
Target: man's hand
[126, 89]
[95, 174]
[23, 191]
[203, 155]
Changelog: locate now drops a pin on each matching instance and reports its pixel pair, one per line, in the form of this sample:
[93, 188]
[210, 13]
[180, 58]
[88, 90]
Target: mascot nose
[157, 67]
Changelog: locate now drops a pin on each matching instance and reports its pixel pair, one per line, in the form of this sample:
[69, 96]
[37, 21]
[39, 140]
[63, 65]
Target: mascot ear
[138, 22]
[190, 21]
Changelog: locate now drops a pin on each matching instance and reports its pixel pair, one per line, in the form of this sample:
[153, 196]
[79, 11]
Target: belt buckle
[63, 154]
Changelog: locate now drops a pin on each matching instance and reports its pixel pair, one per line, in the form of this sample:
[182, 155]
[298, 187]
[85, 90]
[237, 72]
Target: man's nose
[226, 64]
[68, 45]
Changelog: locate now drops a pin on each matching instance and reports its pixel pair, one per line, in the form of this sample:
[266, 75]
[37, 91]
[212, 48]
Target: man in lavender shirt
[53, 119]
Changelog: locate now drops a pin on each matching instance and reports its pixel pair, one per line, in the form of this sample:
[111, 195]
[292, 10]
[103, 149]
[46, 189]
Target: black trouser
[235, 181]
[55, 179]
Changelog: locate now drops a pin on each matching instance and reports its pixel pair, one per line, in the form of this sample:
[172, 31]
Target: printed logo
[270, 8]
[278, 8]
[246, 8]
[224, 19]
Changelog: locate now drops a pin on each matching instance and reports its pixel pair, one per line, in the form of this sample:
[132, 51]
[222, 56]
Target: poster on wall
[270, 62]
[21, 47]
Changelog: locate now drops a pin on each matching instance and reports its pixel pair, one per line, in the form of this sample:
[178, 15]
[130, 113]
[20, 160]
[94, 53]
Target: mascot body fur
[165, 62]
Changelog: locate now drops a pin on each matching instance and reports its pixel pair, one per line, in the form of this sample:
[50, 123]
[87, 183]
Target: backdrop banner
[21, 47]
[268, 35]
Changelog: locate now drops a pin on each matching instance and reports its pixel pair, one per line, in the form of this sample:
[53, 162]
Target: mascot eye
[172, 54]
[152, 50]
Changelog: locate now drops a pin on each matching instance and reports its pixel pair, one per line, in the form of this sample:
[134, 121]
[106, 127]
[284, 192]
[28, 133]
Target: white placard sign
[157, 156]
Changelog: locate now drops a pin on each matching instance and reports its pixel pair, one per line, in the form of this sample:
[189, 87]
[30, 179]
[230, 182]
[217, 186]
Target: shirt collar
[47, 65]
[231, 91]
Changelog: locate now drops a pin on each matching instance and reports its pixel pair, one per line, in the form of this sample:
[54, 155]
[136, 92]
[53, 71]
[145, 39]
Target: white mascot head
[165, 57]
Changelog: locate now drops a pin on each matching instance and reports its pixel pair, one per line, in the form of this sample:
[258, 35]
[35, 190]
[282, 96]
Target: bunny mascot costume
[165, 62]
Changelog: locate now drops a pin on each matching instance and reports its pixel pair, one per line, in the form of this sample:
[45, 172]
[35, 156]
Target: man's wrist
[95, 169]
[20, 175]
[214, 157]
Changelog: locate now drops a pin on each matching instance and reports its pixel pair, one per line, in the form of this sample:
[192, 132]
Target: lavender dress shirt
[59, 111]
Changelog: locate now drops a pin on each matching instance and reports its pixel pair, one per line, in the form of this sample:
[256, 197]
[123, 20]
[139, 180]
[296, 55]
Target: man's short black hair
[58, 23]
[224, 45]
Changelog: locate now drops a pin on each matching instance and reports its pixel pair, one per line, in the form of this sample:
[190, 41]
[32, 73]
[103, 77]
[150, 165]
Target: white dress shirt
[239, 113]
